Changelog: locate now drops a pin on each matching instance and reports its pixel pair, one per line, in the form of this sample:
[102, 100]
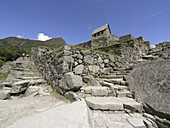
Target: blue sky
[75, 20]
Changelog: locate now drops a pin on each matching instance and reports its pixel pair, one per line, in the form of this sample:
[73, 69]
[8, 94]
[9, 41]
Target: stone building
[103, 31]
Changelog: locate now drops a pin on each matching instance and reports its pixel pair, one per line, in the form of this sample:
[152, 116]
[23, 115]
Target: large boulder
[151, 83]
[71, 82]
[75, 115]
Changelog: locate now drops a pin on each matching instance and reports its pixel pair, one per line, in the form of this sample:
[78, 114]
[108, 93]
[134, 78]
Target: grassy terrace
[92, 50]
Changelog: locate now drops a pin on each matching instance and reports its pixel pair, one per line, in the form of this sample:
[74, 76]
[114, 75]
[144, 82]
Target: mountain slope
[28, 44]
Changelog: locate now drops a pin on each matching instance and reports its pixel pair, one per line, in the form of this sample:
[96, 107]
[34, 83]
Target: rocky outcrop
[150, 82]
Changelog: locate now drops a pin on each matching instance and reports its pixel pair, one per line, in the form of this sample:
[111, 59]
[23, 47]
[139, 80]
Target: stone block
[100, 91]
[100, 60]
[79, 69]
[71, 82]
[85, 52]
[136, 122]
[131, 104]
[106, 61]
[68, 59]
[67, 53]
[91, 80]
[112, 58]
[20, 86]
[5, 94]
[104, 103]
[71, 96]
[94, 68]
[119, 125]
[88, 59]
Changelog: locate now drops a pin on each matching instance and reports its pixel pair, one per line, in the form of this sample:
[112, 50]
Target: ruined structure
[103, 31]
[123, 81]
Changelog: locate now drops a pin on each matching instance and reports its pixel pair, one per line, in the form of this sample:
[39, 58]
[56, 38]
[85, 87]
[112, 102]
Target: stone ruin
[114, 75]
[103, 31]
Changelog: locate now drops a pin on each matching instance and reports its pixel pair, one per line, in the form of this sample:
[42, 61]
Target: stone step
[115, 87]
[116, 81]
[118, 73]
[113, 104]
[96, 90]
[21, 69]
[124, 93]
[112, 77]
[122, 70]
[104, 103]
[28, 78]
[131, 104]
[149, 57]
[141, 60]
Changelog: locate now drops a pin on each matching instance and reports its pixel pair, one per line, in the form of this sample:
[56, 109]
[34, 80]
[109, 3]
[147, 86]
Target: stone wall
[71, 62]
[55, 64]
[129, 51]
[151, 83]
[161, 50]
[100, 42]
[126, 37]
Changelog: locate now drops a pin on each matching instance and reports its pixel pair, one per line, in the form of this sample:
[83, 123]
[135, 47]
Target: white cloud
[43, 37]
[154, 14]
[20, 36]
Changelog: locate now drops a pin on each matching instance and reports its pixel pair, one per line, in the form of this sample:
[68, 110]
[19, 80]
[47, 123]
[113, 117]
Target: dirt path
[12, 110]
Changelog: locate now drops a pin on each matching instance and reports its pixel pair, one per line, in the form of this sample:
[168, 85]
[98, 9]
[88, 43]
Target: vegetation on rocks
[28, 44]
[11, 54]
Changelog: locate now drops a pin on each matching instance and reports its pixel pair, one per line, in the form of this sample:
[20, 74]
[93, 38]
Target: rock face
[151, 83]
[75, 115]
[71, 82]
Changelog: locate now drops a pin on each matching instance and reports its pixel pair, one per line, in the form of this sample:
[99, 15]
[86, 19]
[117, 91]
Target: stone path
[26, 94]
[17, 108]
[112, 103]
[23, 75]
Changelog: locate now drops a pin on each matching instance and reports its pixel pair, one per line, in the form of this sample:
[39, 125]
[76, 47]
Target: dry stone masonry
[102, 72]
[123, 81]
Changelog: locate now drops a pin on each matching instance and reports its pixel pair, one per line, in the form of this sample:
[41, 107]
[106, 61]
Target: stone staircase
[113, 99]
[23, 75]
[113, 104]
[23, 70]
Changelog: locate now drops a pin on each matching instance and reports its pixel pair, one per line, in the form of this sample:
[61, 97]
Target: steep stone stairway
[113, 105]
[23, 75]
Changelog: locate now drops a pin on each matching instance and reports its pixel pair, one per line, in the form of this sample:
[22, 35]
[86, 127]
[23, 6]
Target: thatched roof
[101, 28]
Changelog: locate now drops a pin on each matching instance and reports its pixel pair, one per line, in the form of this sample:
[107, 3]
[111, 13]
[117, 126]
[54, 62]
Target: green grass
[5, 75]
[1, 87]
[28, 44]
[92, 50]
[59, 96]
[84, 83]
